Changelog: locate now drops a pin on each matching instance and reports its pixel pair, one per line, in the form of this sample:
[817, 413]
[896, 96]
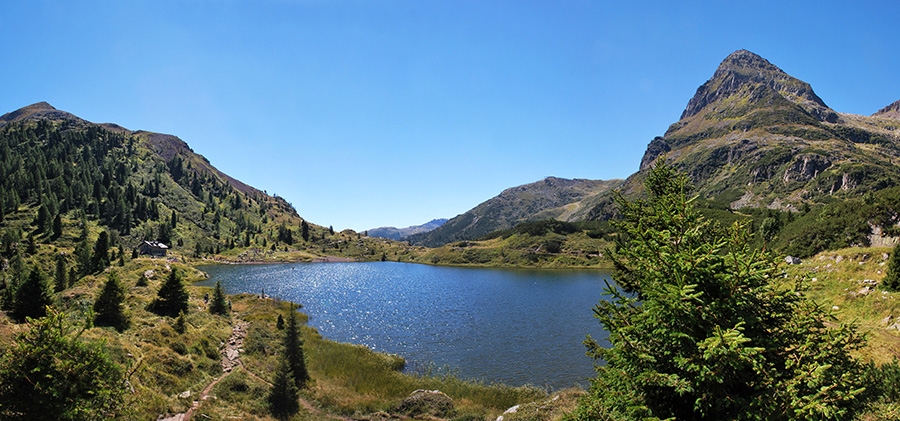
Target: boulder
[427, 402]
[511, 410]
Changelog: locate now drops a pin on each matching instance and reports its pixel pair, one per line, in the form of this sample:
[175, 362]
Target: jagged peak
[743, 60]
[742, 68]
[891, 111]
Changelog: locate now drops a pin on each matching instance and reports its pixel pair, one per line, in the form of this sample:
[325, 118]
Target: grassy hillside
[545, 244]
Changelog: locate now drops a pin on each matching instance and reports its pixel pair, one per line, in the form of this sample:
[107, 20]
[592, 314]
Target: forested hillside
[76, 196]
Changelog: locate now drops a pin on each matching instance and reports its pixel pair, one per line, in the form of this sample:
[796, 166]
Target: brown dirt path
[231, 361]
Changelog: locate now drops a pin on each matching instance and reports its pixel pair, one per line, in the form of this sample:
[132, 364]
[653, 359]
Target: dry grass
[838, 280]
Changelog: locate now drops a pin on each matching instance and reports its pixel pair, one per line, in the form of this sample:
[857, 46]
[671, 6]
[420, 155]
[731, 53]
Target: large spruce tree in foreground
[704, 327]
[283, 397]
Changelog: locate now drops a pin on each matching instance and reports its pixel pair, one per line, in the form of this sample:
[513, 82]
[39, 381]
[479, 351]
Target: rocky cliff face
[891, 111]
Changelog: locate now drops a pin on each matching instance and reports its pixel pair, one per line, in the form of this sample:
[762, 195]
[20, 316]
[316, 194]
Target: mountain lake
[509, 326]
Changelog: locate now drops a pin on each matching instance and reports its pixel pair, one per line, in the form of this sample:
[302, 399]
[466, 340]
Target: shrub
[49, 373]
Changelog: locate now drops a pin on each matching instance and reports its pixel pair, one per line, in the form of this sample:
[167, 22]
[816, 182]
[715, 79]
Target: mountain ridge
[549, 198]
[394, 233]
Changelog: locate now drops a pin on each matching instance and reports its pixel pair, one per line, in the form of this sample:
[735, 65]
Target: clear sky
[392, 113]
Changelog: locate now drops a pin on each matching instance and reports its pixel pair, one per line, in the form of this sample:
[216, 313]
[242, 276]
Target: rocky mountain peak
[891, 111]
[743, 69]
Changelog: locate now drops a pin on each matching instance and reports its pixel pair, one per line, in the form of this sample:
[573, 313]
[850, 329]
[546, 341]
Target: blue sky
[391, 113]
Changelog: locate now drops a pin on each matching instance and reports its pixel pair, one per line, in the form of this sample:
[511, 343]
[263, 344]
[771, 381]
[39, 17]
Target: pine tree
[57, 226]
[293, 349]
[703, 326]
[284, 397]
[61, 279]
[83, 254]
[142, 280]
[73, 277]
[108, 310]
[172, 298]
[43, 219]
[32, 297]
[891, 281]
[218, 304]
[304, 231]
[100, 257]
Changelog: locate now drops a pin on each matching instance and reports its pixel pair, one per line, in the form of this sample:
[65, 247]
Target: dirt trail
[231, 358]
[231, 361]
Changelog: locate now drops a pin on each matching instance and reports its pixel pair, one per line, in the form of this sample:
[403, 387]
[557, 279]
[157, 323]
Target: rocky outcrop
[891, 111]
[806, 167]
[657, 147]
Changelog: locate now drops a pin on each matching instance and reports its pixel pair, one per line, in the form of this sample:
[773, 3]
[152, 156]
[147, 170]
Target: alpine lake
[511, 326]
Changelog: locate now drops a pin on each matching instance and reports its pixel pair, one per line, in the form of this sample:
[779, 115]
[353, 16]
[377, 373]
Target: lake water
[496, 325]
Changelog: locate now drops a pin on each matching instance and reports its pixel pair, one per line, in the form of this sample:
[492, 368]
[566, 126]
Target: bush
[49, 373]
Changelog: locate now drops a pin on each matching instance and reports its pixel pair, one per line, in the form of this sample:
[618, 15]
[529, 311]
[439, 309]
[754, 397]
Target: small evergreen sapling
[32, 297]
[172, 298]
[219, 303]
[891, 281]
[293, 349]
[108, 310]
[283, 398]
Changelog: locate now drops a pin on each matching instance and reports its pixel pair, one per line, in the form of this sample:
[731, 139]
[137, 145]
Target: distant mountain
[550, 198]
[393, 233]
[754, 136]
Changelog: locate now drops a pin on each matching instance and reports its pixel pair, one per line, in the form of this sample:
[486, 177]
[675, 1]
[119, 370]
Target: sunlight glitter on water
[512, 326]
